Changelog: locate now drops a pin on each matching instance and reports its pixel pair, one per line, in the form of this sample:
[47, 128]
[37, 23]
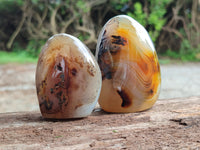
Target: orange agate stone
[68, 78]
[129, 66]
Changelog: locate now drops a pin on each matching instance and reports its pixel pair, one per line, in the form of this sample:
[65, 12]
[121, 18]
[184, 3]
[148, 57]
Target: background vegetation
[174, 26]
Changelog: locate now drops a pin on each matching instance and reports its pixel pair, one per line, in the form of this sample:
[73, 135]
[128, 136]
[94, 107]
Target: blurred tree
[40, 19]
[182, 30]
[47, 18]
[149, 13]
[173, 25]
[9, 14]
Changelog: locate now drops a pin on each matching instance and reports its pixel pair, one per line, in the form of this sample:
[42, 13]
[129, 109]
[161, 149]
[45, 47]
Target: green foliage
[82, 6]
[152, 14]
[189, 53]
[118, 4]
[172, 54]
[59, 136]
[114, 131]
[138, 14]
[164, 61]
[10, 5]
[34, 46]
[154, 19]
[186, 52]
[83, 37]
[32, 49]
[35, 1]
[16, 57]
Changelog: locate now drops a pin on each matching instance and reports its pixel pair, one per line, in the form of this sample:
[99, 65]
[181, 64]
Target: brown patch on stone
[126, 101]
[79, 60]
[105, 64]
[59, 67]
[59, 84]
[158, 66]
[91, 70]
[79, 105]
[48, 104]
[118, 40]
[57, 48]
[74, 71]
[151, 92]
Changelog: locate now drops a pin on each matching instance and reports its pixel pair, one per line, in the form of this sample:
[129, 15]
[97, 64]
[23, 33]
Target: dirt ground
[168, 125]
[17, 88]
[17, 85]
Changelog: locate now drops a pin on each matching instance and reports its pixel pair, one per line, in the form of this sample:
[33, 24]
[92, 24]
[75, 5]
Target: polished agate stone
[129, 66]
[68, 78]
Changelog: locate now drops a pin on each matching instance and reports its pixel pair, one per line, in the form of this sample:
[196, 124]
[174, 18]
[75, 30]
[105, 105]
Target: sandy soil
[17, 88]
[17, 85]
[168, 125]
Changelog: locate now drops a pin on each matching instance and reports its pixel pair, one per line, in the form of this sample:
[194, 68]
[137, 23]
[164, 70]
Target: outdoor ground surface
[173, 123]
[17, 84]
